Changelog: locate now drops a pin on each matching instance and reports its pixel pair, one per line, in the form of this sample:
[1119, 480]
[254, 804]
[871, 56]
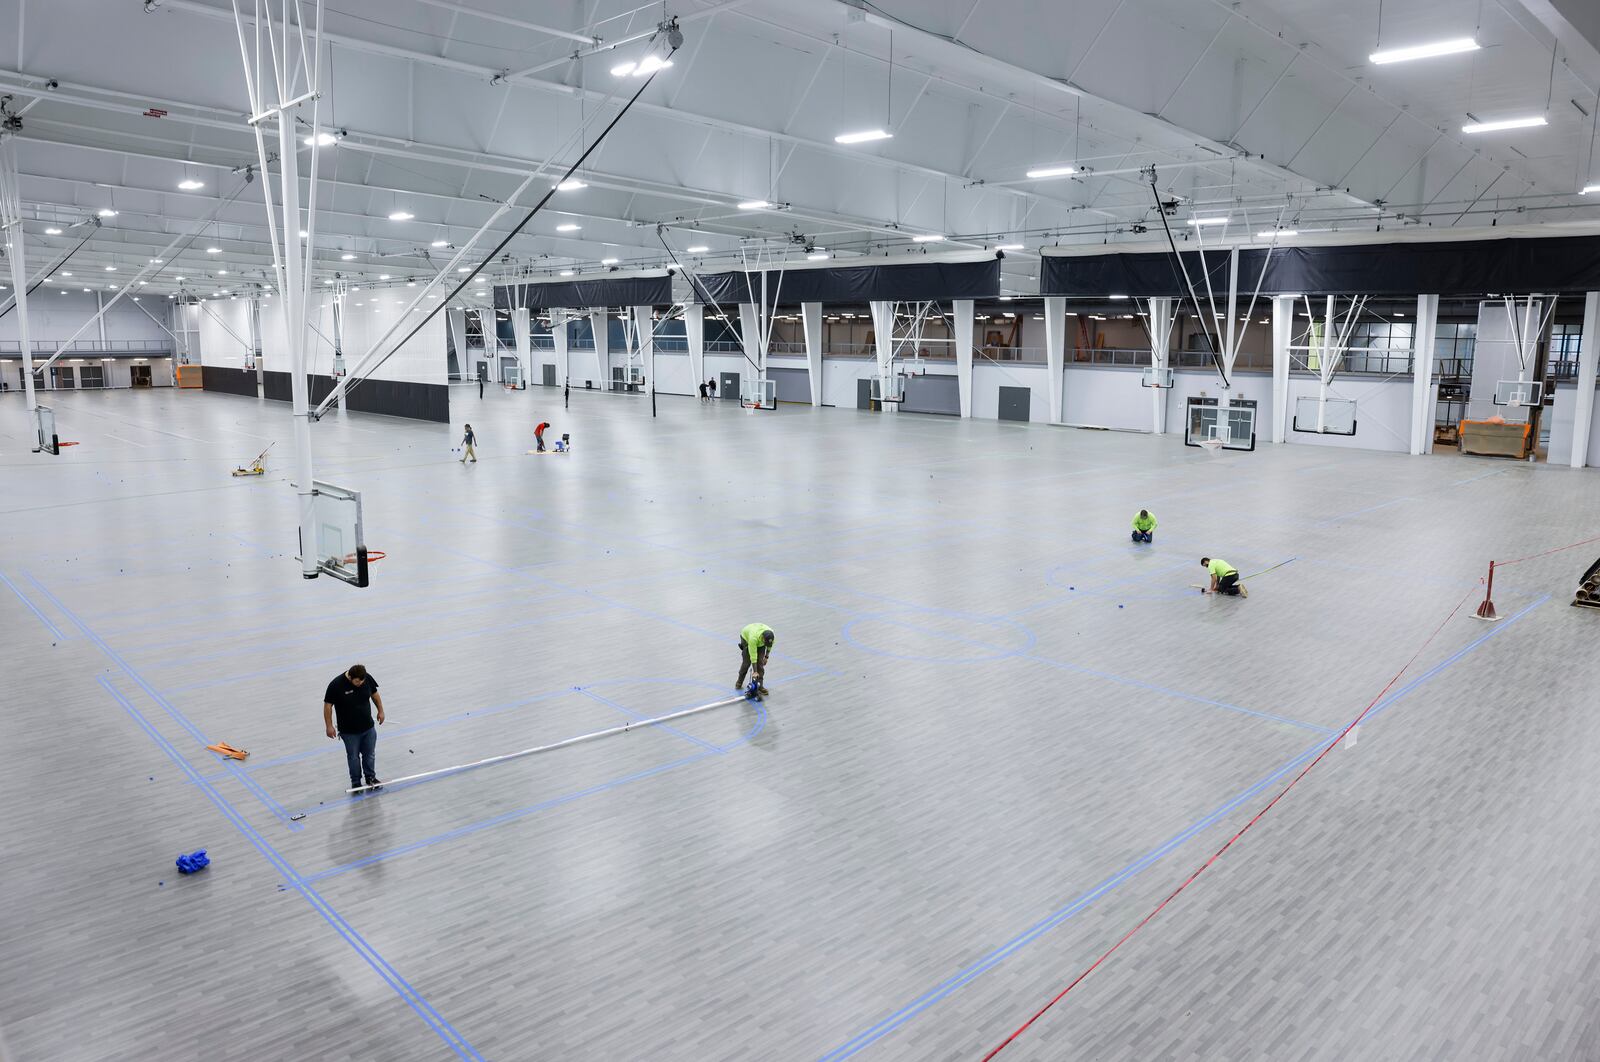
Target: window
[1452, 348]
[1382, 347]
[1563, 361]
[91, 376]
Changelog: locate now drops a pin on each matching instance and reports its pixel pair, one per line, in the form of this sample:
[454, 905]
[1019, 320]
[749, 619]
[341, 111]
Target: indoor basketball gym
[542, 415]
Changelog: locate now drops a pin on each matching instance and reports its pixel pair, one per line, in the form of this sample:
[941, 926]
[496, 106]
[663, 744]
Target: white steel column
[883, 342]
[600, 328]
[811, 322]
[1588, 355]
[294, 312]
[961, 312]
[1423, 404]
[1055, 348]
[644, 327]
[489, 329]
[694, 331]
[14, 237]
[753, 336]
[1161, 321]
[559, 339]
[521, 335]
[456, 320]
[1282, 336]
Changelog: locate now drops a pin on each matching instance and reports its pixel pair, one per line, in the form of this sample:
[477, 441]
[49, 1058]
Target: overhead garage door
[794, 385]
[932, 394]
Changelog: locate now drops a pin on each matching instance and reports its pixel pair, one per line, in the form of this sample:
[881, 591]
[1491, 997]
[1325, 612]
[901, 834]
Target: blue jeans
[1143, 536]
[361, 750]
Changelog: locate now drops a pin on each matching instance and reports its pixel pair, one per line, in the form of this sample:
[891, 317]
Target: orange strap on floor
[225, 749]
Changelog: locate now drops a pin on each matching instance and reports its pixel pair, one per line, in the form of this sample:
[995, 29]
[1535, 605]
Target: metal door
[1016, 403]
[729, 387]
[864, 393]
[549, 375]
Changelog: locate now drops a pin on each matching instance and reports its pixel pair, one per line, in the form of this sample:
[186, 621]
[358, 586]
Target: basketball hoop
[372, 555]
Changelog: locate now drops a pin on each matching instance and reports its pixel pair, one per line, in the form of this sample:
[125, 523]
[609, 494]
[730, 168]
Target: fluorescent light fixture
[1530, 122]
[568, 227]
[1268, 234]
[347, 258]
[107, 212]
[304, 235]
[754, 204]
[567, 273]
[321, 140]
[180, 278]
[1424, 51]
[1585, 190]
[702, 248]
[571, 184]
[608, 261]
[440, 243]
[69, 274]
[213, 250]
[463, 269]
[401, 215]
[222, 272]
[623, 69]
[111, 269]
[1208, 221]
[1051, 171]
[931, 237]
[52, 232]
[1009, 247]
[157, 261]
[863, 136]
[1118, 297]
[819, 256]
[383, 276]
[191, 186]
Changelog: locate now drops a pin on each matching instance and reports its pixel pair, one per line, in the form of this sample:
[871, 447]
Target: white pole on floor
[623, 729]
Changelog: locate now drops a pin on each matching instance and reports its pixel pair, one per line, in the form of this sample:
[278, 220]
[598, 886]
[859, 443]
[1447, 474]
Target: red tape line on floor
[1203, 867]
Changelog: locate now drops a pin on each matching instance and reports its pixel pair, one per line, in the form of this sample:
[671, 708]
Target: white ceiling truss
[1264, 111]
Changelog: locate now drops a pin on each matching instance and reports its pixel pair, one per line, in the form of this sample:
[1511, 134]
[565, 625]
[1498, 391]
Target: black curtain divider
[897, 280]
[598, 292]
[1456, 267]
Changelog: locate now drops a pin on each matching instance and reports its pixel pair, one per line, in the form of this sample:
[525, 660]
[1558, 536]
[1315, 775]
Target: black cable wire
[694, 281]
[52, 270]
[1179, 266]
[481, 266]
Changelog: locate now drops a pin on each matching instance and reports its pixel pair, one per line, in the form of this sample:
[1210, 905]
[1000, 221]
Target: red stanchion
[1486, 610]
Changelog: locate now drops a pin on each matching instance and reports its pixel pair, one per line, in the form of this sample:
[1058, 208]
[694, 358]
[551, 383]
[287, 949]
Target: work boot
[374, 783]
[1242, 591]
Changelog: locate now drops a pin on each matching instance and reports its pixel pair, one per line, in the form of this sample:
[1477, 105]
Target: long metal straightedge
[623, 729]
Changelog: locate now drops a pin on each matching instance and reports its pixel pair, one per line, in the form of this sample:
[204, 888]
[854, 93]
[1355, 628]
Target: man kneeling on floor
[755, 642]
[1224, 578]
[1144, 526]
[351, 696]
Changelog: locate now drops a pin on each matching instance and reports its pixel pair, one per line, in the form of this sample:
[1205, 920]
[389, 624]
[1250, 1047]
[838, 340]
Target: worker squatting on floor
[1224, 578]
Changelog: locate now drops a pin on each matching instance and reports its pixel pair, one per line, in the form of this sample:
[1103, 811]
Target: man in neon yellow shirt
[1224, 578]
[1143, 526]
[755, 642]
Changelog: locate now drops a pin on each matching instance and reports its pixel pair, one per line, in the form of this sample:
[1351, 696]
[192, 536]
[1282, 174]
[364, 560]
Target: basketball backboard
[1317, 416]
[1232, 427]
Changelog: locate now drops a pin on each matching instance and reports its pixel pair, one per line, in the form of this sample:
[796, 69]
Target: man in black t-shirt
[350, 696]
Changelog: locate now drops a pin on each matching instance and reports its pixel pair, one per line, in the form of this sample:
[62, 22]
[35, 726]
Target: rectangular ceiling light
[1051, 171]
[190, 186]
[571, 184]
[1208, 221]
[930, 238]
[1504, 123]
[401, 215]
[698, 249]
[820, 256]
[754, 204]
[1268, 234]
[1424, 51]
[1589, 188]
[864, 136]
[568, 227]
[1009, 247]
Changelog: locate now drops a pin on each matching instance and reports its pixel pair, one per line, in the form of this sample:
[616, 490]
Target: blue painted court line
[1123, 680]
[543, 805]
[1474, 479]
[182, 720]
[631, 714]
[378, 652]
[997, 652]
[1358, 512]
[15, 589]
[434, 1020]
[945, 988]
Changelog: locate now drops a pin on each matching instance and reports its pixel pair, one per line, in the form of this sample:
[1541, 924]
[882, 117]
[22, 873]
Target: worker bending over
[538, 434]
[1144, 526]
[755, 643]
[1224, 578]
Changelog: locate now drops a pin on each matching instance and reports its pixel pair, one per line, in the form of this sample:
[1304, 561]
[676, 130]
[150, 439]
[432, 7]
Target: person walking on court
[468, 441]
[538, 435]
[711, 387]
[1144, 526]
[1224, 578]
[349, 699]
[480, 383]
[703, 391]
[755, 643]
